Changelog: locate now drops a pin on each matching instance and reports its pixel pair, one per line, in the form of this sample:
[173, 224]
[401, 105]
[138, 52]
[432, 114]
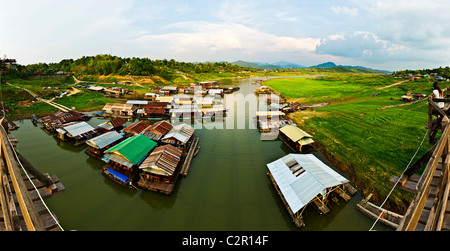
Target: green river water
[227, 188]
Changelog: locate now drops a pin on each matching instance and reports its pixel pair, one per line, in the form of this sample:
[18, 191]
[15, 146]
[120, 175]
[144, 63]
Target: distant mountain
[331, 65]
[286, 65]
[277, 65]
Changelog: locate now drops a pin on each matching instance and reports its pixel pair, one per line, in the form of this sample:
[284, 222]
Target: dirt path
[398, 83]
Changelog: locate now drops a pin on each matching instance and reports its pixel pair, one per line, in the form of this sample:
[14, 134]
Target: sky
[386, 34]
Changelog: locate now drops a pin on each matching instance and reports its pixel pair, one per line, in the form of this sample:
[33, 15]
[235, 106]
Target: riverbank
[369, 144]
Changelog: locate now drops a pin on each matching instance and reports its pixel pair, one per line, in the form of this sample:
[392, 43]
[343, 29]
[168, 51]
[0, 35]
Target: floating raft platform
[191, 152]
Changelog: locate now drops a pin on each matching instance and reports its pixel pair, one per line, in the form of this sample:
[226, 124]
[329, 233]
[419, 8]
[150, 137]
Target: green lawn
[370, 144]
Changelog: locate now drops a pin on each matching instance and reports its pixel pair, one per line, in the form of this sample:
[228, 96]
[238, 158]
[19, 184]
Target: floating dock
[187, 162]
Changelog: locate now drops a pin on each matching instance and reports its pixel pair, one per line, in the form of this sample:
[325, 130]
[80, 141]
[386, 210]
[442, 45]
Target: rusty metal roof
[158, 130]
[117, 122]
[136, 128]
[163, 160]
[60, 117]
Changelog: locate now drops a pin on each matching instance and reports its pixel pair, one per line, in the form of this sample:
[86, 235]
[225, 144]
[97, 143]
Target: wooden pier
[187, 162]
[23, 190]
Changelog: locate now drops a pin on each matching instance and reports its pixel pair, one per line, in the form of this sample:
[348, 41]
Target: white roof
[181, 132]
[79, 128]
[301, 177]
[137, 102]
[104, 140]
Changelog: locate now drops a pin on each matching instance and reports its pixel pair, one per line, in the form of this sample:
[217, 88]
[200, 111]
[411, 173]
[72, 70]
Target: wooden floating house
[119, 110]
[124, 159]
[160, 169]
[302, 179]
[179, 135]
[297, 139]
[77, 131]
[135, 128]
[156, 131]
[98, 145]
[51, 122]
[115, 124]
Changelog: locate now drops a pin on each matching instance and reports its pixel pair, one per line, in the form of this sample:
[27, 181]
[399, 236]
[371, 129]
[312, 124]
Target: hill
[287, 65]
[332, 65]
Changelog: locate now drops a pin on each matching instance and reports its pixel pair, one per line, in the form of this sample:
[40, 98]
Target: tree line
[107, 64]
[441, 71]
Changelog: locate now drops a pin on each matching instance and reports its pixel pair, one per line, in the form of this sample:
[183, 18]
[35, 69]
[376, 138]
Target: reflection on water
[226, 189]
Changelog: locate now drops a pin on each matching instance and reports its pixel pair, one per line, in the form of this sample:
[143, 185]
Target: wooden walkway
[23, 190]
[430, 207]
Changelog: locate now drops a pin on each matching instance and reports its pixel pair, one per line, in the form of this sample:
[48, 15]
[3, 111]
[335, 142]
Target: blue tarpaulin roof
[118, 175]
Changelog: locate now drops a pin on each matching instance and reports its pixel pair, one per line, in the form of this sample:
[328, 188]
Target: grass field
[369, 143]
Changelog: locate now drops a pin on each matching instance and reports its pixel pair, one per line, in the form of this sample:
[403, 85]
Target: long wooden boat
[118, 177]
[386, 217]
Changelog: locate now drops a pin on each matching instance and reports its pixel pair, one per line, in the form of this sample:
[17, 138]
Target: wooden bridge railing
[426, 192]
[9, 166]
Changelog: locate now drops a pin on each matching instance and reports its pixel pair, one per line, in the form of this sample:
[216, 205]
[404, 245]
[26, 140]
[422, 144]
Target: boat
[384, 216]
[118, 177]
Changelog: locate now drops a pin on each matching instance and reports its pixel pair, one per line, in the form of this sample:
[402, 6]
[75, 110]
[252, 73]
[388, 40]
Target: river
[227, 188]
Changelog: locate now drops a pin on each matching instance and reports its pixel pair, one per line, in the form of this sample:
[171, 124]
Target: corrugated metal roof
[181, 133]
[137, 102]
[79, 130]
[118, 107]
[136, 128]
[133, 149]
[163, 160]
[60, 117]
[104, 140]
[158, 130]
[296, 134]
[301, 177]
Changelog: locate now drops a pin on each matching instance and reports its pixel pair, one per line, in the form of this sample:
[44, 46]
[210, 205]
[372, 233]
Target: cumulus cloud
[361, 45]
[352, 12]
[203, 38]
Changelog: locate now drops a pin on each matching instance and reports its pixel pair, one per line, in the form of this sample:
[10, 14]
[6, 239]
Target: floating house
[179, 135]
[151, 96]
[297, 139]
[156, 131]
[269, 114]
[302, 179]
[98, 145]
[168, 99]
[77, 131]
[124, 158]
[115, 124]
[263, 90]
[51, 122]
[135, 128]
[154, 110]
[169, 90]
[160, 169]
[119, 110]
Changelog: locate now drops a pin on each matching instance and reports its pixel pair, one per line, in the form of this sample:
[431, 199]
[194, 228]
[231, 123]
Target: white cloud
[352, 12]
[361, 45]
[204, 38]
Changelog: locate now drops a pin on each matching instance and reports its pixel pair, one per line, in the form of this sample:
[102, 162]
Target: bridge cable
[398, 180]
[35, 188]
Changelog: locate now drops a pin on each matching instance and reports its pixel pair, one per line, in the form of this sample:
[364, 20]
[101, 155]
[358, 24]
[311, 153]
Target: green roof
[133, 149]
